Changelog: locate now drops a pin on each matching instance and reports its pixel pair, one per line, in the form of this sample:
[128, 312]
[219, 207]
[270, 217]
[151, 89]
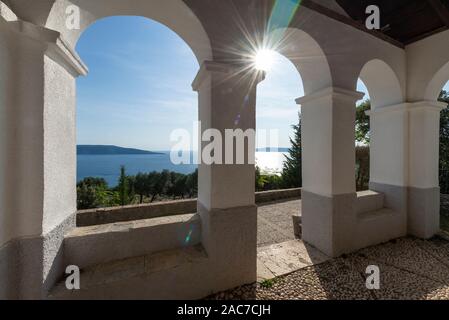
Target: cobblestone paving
[444, 203]
[274, 222]
[409, 269]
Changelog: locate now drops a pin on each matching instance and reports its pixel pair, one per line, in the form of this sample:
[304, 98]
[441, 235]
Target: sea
[108, 166]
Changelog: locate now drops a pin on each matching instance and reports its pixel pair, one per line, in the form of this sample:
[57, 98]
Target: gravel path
[409, 269]
[274, 222]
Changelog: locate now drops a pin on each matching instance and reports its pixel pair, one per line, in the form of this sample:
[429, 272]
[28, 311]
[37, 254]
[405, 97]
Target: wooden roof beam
[441, 10]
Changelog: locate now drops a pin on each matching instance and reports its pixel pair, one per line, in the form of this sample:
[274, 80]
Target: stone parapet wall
[164, 209]
[276, 195]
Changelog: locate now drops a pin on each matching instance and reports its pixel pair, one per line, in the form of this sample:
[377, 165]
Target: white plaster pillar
[8, 249]
[329, 191]
[389, 166]
[41, 177]
[388, 145]
[226, 200]
[424, 191]
[404, 164]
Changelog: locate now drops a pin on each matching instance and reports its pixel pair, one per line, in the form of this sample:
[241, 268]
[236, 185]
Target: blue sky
[139, 84]
[139, 87]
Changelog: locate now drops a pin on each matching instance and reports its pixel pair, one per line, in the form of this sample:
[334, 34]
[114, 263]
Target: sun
[264, 59]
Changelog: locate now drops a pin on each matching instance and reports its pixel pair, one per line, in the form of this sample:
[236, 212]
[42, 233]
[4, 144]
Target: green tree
[178, 185]
[362, 124]
[192, 184]
[362, 156]
[444, 144]
[123, 187]
[292, 169]
[92, 193]
[161, 183]
[260, 180]
[265, 182]
[150, 185]
[140, 185]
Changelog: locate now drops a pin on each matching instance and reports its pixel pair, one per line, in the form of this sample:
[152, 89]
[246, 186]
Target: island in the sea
[108, 150]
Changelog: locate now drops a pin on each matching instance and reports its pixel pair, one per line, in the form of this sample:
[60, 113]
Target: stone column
[329, 191]
[8, 249]
[389, 163]
[226, 200]
[41, 175]
[424, 191]
[404, 165]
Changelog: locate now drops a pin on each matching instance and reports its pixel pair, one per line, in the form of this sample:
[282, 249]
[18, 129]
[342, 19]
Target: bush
[362, 155]
[94, 193]
[266, 182]
[144, 187]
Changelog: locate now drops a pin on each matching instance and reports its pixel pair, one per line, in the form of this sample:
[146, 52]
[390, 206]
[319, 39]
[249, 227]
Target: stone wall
[164, 209]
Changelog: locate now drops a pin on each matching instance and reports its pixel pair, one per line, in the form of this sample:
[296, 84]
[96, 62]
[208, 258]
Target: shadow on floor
[410, 269]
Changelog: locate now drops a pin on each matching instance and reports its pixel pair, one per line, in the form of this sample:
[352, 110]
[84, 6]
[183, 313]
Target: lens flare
[264, 59]
[188, 237]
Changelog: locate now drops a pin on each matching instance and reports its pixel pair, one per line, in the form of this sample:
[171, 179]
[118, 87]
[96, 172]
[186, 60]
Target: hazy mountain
[108, 150]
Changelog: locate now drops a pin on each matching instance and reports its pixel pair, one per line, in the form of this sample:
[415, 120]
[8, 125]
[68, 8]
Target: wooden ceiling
[405, 21]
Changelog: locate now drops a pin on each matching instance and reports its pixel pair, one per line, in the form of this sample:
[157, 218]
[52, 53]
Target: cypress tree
[123, 187]
[292, 169]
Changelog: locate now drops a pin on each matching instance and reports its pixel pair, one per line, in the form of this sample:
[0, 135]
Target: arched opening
[174, 14]
[438, 81]
[304, 71]
[362, 139]
[382, 90]
[137, 93]
[278, 153]
[444, 160]
[382, 83]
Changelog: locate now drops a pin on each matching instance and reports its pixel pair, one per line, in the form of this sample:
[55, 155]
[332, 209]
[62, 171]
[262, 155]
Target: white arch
[174, 14]
[307, 56]
[437, 83]
[382, 83]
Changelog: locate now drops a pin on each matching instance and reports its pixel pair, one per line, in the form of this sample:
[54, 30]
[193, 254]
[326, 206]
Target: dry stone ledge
[93, 217]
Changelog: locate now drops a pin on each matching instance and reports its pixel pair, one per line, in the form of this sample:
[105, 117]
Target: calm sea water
[108, 166]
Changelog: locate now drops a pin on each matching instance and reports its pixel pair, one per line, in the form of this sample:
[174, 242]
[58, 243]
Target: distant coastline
[109, 150]
[283, 150]
[107, 166]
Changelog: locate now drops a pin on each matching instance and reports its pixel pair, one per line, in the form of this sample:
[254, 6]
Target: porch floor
[409, 268]
[274, 222]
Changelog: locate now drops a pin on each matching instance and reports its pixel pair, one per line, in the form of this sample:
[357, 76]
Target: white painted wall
[347, 49]
[6, 123]
[389, 145]
[38, 144]
[424, 137]
[306, 55]
[22, 152]
[6, 13]
[328, 121]
[222, 100]
[383, 84]
[59, 145]
[5, 129]
[428, 67]
[174, 14]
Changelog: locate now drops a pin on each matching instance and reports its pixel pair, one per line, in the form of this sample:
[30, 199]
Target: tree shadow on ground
[410, 269]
